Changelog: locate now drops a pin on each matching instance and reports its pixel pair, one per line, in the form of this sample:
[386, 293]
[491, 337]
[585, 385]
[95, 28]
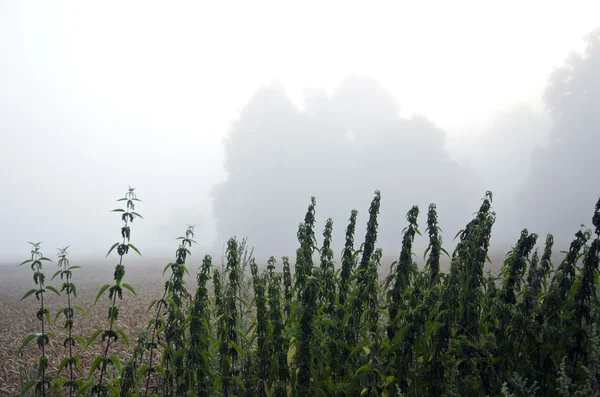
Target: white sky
[170, 77]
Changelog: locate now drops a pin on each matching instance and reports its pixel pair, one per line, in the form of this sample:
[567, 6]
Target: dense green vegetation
[322, 330]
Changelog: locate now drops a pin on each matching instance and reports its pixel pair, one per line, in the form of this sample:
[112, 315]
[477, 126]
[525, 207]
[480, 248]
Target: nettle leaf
[62, 365]
[28, 293]
[28, 339]
[95, 366]
[51, 288]
[167, 267]
[104, 288]
[56, 274]
[134, 248]
[112, 248]
[27, 386]
[154, 302]
[81, 309]
[93, 337]
[130, 288]
[138, 215]
[115, 360]
[143, 369]
[58, 313]
[124, 336]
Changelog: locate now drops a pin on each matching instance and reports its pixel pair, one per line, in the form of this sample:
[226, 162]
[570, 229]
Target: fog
[230, 116]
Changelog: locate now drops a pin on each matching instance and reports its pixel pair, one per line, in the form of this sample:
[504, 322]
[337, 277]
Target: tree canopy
[340, 148]
[563, 180]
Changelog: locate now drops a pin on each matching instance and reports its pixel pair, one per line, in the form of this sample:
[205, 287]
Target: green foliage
[528, 331]
[43, 382]
[104, 386]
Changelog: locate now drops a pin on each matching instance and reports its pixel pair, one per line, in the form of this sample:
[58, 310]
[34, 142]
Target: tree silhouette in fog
[564, 181]
[340, 149]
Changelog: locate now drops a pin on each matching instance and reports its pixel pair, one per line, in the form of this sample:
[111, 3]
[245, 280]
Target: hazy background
[230, 115]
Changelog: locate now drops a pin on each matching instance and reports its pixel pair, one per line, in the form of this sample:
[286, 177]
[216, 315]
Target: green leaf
[56, 274]
[58, 312]
[236, 347]
[143, 369]
[94, 336]
[115, 360]
[104, 288]
[95, 366]
[138, 215]
[135, 249]
[118, 210]
[28, 339]
[112, 248]
[31, 291]
[154, 302]
[130, 288]
[51, 288]
[24, 262]
[81, 309]
[74, 267]
[62, 365]
[160, 370]
[167, 267]
[124, 336]
[362, 369]
[27, 386]
[425, 253]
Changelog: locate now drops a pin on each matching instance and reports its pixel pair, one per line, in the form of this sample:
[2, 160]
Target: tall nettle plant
[71, 362]
[103, 386]
[43, 381]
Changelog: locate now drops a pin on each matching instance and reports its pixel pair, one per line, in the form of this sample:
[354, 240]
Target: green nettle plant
[43, 382]
[71, 362]
[259, 282]
[306, 237]
[585, 297]
[221, 320]
[363, 294]
[277, 341]
[229, 349]
[307, 287]
[173, 355]
[348, 260]
[199, 358]
[403, 332]
[104, 386]
[327, 270]
[435, 245]
[529, 330]
[506, 311]
[133, 371]
[402, 272]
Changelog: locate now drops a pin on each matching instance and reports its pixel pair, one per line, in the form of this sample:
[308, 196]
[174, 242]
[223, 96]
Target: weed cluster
[324, 331]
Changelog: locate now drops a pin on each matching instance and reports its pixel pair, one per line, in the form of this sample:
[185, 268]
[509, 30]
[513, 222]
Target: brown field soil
[19, 317]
